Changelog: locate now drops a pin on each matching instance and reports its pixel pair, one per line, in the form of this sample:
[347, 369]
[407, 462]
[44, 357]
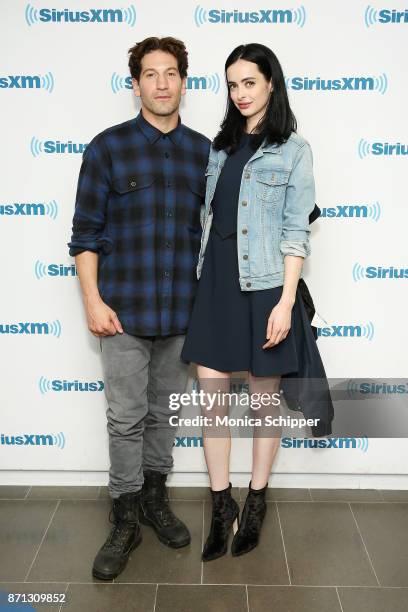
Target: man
[136, 238]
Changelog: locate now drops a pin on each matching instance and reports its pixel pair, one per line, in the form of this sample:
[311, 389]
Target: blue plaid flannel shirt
[138, 206]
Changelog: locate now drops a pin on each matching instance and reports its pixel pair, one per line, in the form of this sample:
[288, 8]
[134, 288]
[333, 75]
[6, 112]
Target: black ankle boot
[253, 514]
[225, 511]
[123, 538]
[155, 511]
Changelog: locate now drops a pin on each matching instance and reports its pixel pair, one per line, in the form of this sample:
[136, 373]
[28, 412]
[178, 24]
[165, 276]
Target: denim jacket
[277, 195]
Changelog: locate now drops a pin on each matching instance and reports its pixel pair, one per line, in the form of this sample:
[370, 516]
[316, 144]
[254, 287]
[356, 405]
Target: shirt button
[247, 175]
[244, 203]
[245, 257]
[167, 155]
[244, 231]
[248, 284]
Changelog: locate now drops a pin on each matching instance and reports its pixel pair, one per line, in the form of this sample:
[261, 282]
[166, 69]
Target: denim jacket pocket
[271, 185]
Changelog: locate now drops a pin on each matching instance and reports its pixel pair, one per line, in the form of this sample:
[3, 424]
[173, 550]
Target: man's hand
[102, 320]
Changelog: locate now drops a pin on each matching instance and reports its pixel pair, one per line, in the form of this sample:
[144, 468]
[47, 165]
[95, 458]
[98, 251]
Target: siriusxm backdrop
[64, 78]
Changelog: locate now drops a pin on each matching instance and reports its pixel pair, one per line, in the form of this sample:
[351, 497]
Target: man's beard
[155, 109]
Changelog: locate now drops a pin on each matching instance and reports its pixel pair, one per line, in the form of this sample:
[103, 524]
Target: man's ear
[183, 86]
[136, 88]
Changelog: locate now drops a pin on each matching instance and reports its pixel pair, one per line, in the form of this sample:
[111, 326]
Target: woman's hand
[279, 324]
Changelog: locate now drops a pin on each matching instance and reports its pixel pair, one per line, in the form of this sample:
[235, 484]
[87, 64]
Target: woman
[248, 314]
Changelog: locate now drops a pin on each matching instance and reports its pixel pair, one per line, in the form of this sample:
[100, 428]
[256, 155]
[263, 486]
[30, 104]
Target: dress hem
[238, 369]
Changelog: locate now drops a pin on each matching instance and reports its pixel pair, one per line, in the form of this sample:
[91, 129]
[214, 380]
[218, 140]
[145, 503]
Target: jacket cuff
[292, 247]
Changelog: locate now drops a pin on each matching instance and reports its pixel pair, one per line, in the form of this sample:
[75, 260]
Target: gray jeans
[139, 375]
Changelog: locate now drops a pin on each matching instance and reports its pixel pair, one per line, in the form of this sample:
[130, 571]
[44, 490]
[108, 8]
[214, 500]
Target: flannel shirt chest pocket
[133, 200]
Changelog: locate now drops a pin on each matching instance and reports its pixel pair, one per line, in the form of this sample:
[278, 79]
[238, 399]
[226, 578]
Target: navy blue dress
[227, 327]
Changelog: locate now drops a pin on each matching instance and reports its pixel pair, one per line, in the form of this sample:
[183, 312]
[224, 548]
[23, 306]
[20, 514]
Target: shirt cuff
[85, 243]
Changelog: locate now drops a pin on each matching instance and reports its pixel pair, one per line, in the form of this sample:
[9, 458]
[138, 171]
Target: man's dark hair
[278, 122]
[153, 43]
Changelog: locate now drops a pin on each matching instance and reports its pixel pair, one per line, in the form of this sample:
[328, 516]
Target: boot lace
[162, 511]
[119, 534]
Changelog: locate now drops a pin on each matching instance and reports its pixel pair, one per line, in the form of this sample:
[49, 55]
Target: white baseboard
[196, 479]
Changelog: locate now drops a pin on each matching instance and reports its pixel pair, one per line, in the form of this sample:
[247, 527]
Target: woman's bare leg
[266, 439]
[216, 439]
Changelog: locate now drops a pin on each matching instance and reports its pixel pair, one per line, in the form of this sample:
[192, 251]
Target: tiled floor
[321, 550]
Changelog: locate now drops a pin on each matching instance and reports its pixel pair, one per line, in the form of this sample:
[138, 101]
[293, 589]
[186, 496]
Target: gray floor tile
[263, 565]
[184, 493]
[395, 496]
[275, 494]
[154, 562]
[201, 598]
[104, 492]
[22, 526]
[76, 533]
[64, 493]
[293, 599]
[199, 493]
[373, 600]
[191, 493]
[100, 597]
[33, 588]
[13, 492]
[385, 533]
[346, 495]
[323, 545]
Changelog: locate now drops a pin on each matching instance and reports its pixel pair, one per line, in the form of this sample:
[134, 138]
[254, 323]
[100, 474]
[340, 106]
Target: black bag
[303, 288]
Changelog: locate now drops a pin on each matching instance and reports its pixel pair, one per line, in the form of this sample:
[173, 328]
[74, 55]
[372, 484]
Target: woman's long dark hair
[278, 121]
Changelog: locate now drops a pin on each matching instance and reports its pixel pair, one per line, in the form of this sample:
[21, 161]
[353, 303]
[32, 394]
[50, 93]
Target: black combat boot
[253, 514]
[155, 511]
[123, 538]
[225, 511]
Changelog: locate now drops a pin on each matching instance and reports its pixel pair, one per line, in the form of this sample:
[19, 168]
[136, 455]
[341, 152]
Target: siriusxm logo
[369, 387]
[41, 269]
[36, 209]
[57, 440]
[45, 385]
[373, 16]
[361, 83]
[360, 272]
[347, 331]
[204, 83]
[188, 441]
[275, 16]
[55, 146]
[92, 15]
[339, 443]
[353, 211]
[28, 81]
[32, 329]
[380, 148]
